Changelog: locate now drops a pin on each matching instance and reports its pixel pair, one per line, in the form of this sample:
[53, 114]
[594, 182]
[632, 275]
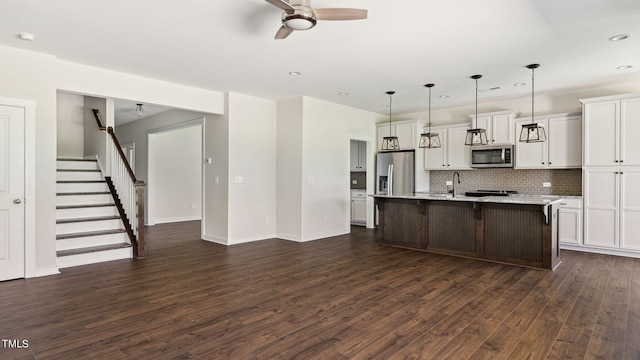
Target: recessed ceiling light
[343, 93]
[443, 96]
[519, 84]
[294, 73]
[27, 36]
[619, 37]
[624, 67]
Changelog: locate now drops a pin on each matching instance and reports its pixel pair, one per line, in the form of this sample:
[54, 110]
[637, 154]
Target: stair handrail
[127, 191]
[96, 115]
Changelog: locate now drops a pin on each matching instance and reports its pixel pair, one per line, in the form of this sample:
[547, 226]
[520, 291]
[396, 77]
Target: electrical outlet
[354, 182]
[546, 184]
[449, 183]
[193, 206]
[266, 220]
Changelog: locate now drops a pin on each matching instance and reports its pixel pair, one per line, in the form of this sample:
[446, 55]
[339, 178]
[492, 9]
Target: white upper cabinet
[565, 142]
[610, 127]
[454, 154]
[358, 156]
[563, 148]
[407, 131]
[499, 126]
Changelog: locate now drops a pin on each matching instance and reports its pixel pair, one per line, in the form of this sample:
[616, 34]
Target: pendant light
[476, 136]
[390, 142]
[533, 132]
[429, 140]
[138, 111]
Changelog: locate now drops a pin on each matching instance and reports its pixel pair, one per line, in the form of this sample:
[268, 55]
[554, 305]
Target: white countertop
[511, 199]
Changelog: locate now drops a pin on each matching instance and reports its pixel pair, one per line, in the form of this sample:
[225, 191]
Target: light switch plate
[449, 183]
[546, 184]
[354, 182]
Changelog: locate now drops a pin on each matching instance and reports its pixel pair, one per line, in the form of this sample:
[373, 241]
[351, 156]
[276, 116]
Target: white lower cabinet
[570, 222]
[358, 207]
[612, 208]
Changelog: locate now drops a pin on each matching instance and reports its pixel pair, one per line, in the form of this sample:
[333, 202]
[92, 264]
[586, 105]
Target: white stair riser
[95, 257]
[79, 175]
[90, 241]
[85, 165]
[86, 212]
[84, 199]
[84, 226]
[81, 187]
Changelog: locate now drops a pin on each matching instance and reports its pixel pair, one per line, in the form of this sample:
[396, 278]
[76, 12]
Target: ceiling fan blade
[283, 32]
[282, 5]
[340, 14]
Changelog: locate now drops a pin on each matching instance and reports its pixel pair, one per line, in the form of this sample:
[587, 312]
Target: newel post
[140, 253]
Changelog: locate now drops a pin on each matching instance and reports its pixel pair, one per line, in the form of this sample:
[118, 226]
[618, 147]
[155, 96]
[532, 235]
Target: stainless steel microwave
[494, 156]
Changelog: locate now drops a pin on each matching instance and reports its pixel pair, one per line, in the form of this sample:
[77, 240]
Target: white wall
[91, 80]
[289, 169]
[95, 140]
[215, 225]
[323, 195]
[70, 125]
[252, 159]
[175, 184]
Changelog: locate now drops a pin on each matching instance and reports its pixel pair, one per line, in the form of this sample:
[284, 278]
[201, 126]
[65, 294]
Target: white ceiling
[228, 45]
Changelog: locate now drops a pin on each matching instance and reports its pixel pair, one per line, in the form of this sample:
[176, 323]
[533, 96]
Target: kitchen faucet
[453, 181]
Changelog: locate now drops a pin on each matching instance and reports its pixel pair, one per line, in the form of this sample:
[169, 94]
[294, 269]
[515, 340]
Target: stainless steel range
[480, 193]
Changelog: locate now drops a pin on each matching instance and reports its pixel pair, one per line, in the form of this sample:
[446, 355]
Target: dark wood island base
[514, 233]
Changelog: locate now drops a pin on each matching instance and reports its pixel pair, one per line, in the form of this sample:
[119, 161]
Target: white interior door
[12, 214]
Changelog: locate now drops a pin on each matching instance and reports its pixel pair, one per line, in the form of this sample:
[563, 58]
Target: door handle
[17, 201]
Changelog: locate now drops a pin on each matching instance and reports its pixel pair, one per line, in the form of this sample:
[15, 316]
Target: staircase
[88, 227]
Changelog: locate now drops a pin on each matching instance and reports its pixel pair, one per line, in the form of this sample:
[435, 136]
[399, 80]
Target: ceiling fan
[299, 15]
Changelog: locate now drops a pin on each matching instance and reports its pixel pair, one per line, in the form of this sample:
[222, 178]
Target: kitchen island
[517, 230]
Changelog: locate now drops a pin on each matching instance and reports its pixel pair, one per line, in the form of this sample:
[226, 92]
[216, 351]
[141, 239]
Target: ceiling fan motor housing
[302, 18]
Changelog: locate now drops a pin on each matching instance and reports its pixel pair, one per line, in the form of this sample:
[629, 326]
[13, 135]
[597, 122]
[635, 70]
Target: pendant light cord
[476, 118]
[533, 68]
[429, 110]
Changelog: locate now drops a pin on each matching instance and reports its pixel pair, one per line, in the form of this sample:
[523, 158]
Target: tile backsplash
[360, 178]
[563, 182]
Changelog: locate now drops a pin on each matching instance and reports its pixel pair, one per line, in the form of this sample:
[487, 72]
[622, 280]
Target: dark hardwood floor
[338, 298]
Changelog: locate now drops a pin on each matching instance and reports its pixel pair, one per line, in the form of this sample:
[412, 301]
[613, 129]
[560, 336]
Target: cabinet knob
[543, 163]
[617, 161]
[621, 160]
[549, 162]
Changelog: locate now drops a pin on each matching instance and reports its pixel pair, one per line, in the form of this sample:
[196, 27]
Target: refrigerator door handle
[390, 180]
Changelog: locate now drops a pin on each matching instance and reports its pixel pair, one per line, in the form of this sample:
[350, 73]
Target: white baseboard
[290, 237]
[46, 271]
[214, 239]
[175, 220]
[627, 253]
[322, 235]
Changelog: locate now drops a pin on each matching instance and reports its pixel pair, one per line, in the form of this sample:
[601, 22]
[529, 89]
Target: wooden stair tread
[79, 170]
[61, 207]
[83, 193]
[87, 219]
[72, 159]
[89, 233]
[92, 249]
[80, 181]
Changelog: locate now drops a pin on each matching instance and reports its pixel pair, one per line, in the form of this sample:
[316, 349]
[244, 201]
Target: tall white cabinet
[611, 173]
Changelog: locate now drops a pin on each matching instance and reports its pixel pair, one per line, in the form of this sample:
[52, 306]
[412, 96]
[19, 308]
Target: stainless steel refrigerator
[395, 172]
